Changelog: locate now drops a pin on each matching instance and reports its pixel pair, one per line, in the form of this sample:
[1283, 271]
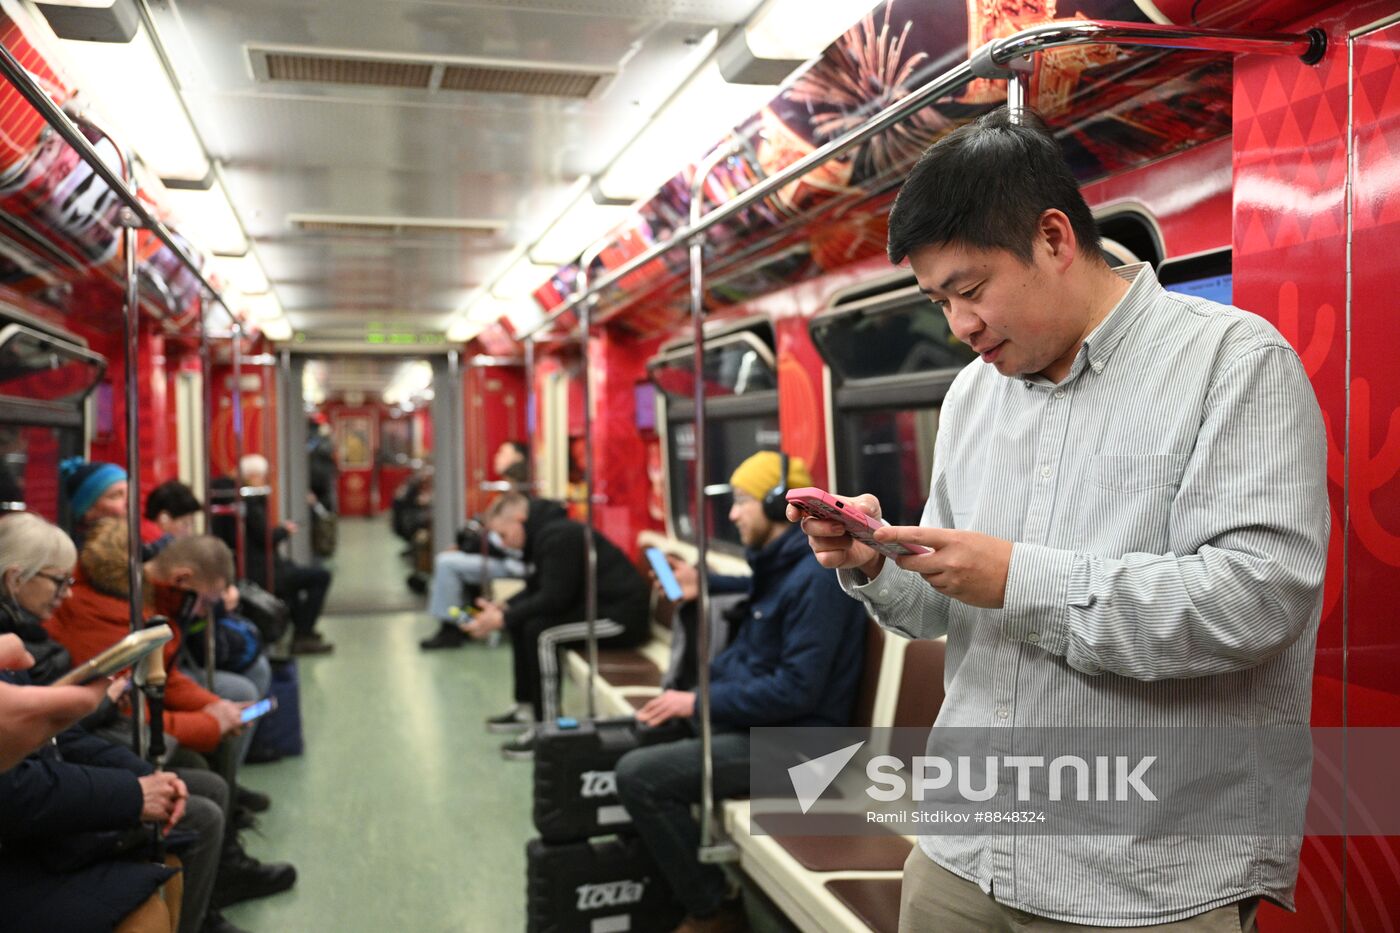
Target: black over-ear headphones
[775, 503]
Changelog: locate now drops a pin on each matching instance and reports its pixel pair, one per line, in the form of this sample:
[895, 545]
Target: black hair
[173, 498]
[985, 185]
[520, 448]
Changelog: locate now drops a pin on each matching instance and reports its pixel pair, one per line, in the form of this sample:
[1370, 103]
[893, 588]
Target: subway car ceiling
[356, 178]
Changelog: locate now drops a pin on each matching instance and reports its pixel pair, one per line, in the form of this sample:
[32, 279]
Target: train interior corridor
[397, 816]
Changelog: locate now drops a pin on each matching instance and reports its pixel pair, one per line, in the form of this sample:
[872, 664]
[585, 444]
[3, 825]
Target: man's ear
[10, 580]
[183, 577]
[1057, 234]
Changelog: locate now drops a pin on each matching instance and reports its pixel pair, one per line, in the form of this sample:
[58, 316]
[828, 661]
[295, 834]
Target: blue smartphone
[258, 709]
[664, 574]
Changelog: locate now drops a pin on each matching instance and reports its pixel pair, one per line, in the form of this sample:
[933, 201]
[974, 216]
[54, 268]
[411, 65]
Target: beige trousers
[934, 900]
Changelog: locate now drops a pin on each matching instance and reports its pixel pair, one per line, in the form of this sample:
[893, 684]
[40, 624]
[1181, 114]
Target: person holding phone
[187, 575]
[63, 796]
[1128, 524]
[549, 612]
[795, 661]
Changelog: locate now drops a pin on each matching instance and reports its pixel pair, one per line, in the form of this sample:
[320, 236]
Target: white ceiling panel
[339, 149]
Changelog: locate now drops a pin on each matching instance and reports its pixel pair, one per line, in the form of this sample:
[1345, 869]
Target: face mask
[174, 602]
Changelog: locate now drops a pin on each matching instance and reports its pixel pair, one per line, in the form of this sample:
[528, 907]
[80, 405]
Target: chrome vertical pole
[532, 415]
[240, 530]
[590, 546]
[709, 851]
[1018, 88]
[269, 444]
[132, 331]
[206, 391]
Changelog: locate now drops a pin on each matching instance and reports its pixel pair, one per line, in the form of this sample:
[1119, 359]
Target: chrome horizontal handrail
[988, 61]
[30, 90]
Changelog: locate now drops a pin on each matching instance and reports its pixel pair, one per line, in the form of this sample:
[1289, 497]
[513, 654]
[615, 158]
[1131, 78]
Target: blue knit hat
[84, 483]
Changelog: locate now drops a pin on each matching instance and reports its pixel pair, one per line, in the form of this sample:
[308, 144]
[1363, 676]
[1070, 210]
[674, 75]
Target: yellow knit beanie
[759, 474]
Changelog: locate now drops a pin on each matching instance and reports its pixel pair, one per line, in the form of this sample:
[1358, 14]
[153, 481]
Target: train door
[189, 435]
[552, 459]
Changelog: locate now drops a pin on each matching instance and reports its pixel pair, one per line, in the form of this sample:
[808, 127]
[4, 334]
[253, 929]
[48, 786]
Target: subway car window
[907, 337]
[729, 441]
[44, 382]
[736, 364]
[741, 415]
[892, 357]
[889, 453]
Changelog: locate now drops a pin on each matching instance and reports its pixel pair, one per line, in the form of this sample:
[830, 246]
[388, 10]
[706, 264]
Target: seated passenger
[301, 586]
[548, 612]
[176, 579]
[512, 464]
[169, 514]
[460, 573]
[170, 511]
[795, 661]
[93, 491]
[54, 802]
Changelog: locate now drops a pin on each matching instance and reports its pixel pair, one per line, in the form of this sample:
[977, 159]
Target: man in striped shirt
[1128, 516]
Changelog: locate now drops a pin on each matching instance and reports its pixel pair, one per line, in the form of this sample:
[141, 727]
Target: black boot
[449, 636]
[242, 877]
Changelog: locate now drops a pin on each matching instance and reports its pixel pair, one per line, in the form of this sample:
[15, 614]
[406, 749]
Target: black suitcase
[575, 785]
[608, 885]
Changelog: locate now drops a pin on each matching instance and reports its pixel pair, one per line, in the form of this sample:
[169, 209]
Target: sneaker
[522, 748]
[242, 877]
[216, 922]
[250, 799]
[449, 636]
[516, 719]
[311, 644]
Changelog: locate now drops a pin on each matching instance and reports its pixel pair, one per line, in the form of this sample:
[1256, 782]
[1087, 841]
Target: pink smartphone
[819, 503]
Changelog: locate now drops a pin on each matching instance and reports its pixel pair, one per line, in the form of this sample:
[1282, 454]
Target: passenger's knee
[633, 774]
[204, 816]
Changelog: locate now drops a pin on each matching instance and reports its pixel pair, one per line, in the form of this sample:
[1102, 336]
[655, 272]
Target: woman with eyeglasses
[36, 567]
[72, 840]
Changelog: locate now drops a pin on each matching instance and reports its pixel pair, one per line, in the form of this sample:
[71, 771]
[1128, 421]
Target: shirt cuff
[1037, 596]
[880, 588]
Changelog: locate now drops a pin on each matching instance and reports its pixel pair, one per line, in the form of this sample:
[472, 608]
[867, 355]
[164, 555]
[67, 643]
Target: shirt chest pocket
[1126, 502]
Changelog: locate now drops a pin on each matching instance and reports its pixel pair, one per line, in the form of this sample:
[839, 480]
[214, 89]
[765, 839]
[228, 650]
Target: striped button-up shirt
[1168, 507]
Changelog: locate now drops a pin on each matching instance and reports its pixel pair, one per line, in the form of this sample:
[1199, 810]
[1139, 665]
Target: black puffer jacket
[51, 660]
[555, 589]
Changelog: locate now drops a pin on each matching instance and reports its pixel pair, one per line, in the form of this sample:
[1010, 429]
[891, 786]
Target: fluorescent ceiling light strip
[135, 101]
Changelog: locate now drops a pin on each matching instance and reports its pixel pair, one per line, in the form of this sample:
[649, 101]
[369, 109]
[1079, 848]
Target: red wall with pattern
[1292, 165]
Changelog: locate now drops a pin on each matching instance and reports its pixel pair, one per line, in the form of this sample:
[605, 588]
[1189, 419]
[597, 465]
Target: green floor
[401, 816]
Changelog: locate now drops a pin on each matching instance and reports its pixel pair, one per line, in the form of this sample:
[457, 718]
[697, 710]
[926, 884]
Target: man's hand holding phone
[832, 542]
[964, 565]
[489, 618]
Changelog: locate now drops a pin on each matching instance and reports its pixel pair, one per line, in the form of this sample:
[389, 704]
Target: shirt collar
[1104, 339]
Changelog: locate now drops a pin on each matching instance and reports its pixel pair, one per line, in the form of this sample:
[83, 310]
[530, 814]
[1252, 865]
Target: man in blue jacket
[794, 661]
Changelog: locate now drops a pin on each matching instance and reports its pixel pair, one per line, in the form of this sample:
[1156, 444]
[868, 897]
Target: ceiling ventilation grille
[316, 69]
[391, 226]
[470, 77]
[485, 80]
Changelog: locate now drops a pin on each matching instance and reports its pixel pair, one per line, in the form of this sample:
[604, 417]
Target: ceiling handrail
[991, 60]
[29, 89]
